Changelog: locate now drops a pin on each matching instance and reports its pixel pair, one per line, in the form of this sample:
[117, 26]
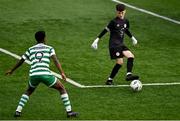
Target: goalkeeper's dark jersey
[117, 27]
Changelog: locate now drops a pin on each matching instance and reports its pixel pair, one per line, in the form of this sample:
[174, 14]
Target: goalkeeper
[117, 49]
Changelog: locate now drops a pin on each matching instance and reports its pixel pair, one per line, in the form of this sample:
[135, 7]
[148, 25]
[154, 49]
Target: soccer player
[39, 55]
[117, 49]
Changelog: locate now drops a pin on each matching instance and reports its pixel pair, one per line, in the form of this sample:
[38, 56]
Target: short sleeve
[52, 52]
[26, 55]
[110, 26]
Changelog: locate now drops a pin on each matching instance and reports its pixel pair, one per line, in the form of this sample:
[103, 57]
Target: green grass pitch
[71, 27]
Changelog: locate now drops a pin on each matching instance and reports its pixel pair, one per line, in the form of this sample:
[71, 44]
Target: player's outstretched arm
[58, 65]
[95, 43]
[18, 64]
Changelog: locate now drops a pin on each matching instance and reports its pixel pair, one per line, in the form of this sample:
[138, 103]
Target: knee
[131, 56]
[58, 86]
[120, 62]
[29, 91]
[128, 54]
[62, 90]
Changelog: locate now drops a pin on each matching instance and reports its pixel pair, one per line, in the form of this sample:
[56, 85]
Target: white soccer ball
[136, 85]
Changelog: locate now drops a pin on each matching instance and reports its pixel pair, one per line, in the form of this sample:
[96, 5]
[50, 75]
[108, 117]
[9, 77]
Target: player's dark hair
[40, 35]
[120, 7]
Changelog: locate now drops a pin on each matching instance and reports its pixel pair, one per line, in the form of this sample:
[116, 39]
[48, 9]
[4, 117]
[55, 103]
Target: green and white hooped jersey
[39, 56]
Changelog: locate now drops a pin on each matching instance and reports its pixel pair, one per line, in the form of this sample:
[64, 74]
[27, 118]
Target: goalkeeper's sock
[22, 102]
[130, 64]
[66, 101]
[115, 70]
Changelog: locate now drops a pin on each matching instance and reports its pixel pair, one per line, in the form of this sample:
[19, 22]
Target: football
[136, 85]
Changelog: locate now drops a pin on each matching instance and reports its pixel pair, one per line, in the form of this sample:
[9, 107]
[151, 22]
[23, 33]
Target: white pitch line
[93, 86]
[148, 12]
[148, 84]
[105, 86]
[54, 73]
[69, 80]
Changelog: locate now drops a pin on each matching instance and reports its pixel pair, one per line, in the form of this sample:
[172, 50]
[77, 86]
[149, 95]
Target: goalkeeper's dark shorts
[117, 52]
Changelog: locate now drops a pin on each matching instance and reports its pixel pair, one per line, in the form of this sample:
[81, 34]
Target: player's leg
[115, 53]
[23, 100]
[117, 66]
[33, 83]
[130, 61]
[56, 84]
[59, 87]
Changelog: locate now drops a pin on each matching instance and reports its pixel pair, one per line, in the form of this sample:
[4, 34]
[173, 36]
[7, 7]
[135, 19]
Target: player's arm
[58, 65]
[95, 43]
[134, 41]
[103, 32]
[18, 64]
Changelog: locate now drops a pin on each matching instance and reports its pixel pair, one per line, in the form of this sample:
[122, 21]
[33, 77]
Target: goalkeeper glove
[134, 40]
[95, 44]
